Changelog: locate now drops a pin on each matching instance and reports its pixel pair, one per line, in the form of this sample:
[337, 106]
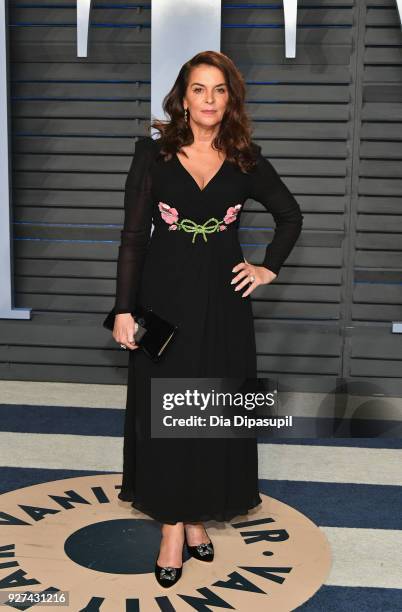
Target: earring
[185, 114]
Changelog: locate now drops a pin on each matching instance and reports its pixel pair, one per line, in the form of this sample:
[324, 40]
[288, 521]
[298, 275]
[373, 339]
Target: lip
[208, 112]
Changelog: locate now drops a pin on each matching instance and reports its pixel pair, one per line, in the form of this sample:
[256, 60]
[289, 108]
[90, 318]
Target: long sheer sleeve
[268, 188]
[136, 228]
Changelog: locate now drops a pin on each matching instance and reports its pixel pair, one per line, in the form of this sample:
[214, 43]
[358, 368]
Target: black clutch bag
[154, 333]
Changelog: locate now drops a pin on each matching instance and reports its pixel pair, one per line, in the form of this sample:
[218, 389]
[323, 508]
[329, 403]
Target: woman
[204, 165]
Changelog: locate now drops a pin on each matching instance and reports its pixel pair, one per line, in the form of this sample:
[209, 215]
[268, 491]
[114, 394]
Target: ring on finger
[251, 279]
[123, 346]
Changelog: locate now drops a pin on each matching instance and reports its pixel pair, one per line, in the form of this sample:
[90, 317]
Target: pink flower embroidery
[169, 214]
[231, 214]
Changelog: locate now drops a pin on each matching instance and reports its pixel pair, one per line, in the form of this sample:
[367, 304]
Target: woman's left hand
[262, 276]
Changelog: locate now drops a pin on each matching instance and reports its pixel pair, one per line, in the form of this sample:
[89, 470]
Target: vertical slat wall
[74, 124]
[373, 351]
[302, 112]
[75, 121]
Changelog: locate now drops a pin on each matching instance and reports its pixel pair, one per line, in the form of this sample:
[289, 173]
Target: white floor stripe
[68, 452]
[62, 394]
[330, 464]
[276, 461]
[365, 557]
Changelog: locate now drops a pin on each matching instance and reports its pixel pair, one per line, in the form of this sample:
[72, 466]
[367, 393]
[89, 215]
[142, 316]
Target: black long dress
[185, 277]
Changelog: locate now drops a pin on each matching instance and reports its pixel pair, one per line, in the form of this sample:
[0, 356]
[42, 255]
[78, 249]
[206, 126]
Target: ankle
[176, 530]
[194, 526]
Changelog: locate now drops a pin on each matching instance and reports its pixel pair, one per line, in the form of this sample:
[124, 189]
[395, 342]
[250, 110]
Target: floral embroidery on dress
[171, 216]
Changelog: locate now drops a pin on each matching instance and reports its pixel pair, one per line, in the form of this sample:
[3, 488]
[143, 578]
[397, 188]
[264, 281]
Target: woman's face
[206, 91]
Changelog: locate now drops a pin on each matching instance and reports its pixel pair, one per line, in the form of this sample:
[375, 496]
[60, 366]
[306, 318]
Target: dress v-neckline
[193, 179]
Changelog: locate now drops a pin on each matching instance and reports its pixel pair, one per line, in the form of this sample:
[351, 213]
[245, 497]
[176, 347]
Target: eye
[197, 89]
[221, 89]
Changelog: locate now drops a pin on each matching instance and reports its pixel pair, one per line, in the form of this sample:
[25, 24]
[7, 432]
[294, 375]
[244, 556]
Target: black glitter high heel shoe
[167, 576]
[202, 552]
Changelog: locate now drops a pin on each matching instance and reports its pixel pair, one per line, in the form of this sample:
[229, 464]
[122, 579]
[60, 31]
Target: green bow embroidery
[210, 226]
[171, 216]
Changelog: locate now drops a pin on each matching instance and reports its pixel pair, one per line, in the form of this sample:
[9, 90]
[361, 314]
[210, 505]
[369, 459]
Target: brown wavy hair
[234, 136]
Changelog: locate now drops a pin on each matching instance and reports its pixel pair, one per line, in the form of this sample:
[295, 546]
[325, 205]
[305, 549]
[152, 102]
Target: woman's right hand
[124, 329]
